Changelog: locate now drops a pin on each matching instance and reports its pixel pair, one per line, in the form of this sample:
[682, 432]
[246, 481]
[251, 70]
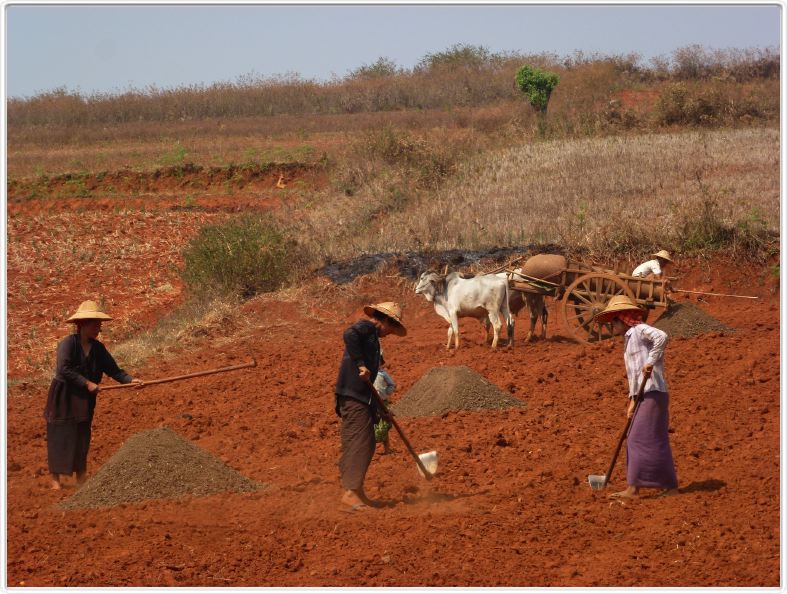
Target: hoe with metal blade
[427, 462]
[599, 481]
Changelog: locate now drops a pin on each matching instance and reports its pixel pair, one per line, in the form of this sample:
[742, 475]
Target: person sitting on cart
[655, 268]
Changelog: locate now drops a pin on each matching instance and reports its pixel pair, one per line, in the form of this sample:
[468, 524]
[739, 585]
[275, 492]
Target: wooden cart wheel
[584, 298]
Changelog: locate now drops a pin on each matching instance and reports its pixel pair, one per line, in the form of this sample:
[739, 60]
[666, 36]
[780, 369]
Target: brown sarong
[358, 442]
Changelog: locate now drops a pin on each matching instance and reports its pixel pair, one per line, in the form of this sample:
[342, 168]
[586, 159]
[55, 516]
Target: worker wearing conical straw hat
[656, 267]
[82, 360]
[355, 403]
[648, 453]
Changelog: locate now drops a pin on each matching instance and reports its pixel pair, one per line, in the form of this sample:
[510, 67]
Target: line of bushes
[461, 76]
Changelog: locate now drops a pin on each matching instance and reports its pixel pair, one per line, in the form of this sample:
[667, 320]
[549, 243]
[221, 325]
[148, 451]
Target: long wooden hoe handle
[252, 363]
[625, 431]
[381, 404]
[714, 294]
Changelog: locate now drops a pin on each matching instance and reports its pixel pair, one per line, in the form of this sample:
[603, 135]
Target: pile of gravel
[444, 389]
[686, 319]
[158, 464]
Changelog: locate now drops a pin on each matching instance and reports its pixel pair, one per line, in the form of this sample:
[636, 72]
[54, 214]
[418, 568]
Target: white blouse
[646, 268]
[644, 345]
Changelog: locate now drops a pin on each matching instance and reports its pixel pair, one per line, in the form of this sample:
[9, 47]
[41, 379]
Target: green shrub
[537, 85]
[239, 258]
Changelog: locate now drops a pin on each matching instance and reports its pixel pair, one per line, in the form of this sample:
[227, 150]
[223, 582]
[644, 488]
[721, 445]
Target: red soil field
[510, 505]
[123, 251]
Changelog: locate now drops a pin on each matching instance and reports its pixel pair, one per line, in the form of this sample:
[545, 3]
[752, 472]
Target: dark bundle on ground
[443, 389]
[158, 464]
[686, 319]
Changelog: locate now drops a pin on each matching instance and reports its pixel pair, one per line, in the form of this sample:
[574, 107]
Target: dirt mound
[193, 177]
[158, 464]
[686, 319]
[442, 389]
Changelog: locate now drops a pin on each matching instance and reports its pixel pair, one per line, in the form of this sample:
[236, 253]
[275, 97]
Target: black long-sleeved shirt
[76, 368]
[362, 348]
[68, 398]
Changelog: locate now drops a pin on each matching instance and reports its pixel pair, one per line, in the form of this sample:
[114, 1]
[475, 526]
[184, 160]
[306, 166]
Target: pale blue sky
[109, 48]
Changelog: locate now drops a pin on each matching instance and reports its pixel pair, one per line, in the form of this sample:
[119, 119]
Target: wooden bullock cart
[584, 290]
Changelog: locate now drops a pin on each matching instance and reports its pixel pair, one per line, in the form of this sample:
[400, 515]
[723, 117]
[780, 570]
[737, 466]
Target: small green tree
[537, 85]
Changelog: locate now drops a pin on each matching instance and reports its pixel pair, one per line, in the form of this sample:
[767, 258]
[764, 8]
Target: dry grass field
[607, 196]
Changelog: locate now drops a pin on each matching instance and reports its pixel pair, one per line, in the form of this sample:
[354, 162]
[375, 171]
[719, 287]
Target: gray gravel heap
[443, 389]
[686, 319]
[158, 464]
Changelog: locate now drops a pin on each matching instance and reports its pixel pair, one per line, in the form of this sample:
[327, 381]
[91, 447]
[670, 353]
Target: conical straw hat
[391, 310]
[664, 255]
[616, 304]
[88, 310]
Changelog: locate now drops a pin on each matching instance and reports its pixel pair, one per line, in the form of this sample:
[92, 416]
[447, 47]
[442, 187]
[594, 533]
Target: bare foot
[669, 492]
[351, 499]
[81, 477]
[56, 485]
[629, 493]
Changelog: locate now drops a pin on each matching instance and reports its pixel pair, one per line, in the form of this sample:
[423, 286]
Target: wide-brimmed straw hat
[617, 304]
[390, 310]
[88, 310]
[663, 254]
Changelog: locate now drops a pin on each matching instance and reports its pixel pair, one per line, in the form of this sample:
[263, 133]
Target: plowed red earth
[122, 251]
[510, 506]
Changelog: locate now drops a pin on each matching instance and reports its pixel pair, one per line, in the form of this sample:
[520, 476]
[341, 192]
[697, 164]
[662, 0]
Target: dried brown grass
[604, 196]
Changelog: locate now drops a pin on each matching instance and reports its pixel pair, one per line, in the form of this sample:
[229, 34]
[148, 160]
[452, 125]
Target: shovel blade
[429, 460]
[597, 481]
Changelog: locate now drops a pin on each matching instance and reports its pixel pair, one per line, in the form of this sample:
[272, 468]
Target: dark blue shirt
[361, 348]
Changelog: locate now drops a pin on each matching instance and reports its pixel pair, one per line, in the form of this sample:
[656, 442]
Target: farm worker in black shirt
[81, 362]
[355, 403]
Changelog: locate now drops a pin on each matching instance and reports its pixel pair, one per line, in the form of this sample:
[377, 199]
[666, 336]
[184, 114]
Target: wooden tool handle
[381, 404]
[503, 267]
[629, 420]
[714, 294]
[176, 378]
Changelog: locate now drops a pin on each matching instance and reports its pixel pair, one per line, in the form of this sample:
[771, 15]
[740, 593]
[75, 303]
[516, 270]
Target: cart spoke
[582, 306]
[576, 317]
[580, 297]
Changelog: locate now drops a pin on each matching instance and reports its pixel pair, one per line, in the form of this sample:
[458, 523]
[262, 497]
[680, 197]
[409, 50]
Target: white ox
[480, 297]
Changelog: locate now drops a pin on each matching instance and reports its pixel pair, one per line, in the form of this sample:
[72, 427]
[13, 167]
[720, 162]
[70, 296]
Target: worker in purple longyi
[649, 462]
